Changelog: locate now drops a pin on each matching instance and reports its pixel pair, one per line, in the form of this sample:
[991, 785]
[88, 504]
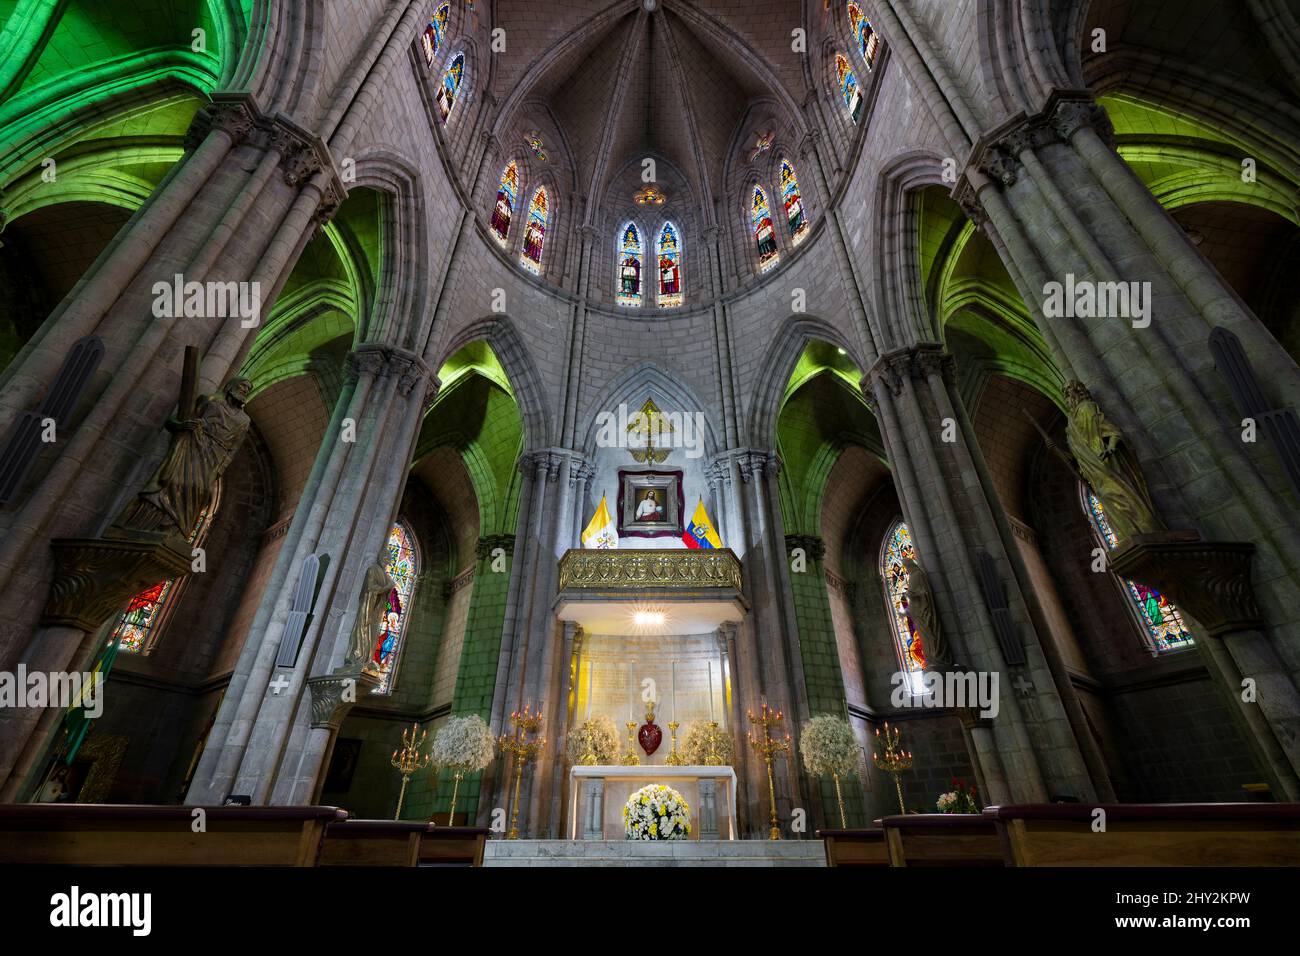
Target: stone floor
[645, 853]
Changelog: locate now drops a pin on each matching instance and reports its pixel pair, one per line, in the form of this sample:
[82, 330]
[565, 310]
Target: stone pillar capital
[333, 695]
[812, 545]
[490, 542]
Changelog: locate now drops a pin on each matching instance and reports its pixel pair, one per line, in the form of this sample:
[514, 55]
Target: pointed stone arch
[768, 388]
[500, 333]
[648, 380]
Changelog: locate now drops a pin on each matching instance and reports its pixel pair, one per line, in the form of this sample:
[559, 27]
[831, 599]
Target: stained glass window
[1163, 626]
[896, 549]
[505, 207]
[434, 33]
[534, 141]
[450, 88]
[764, 234]
[530, 257]
[629, 266]
[848, 82]
[138, 627]
[794, 214]
[670, 267]
[867, 38]
[402, 565]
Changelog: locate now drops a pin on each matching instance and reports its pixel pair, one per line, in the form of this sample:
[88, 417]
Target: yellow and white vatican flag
[600, 532]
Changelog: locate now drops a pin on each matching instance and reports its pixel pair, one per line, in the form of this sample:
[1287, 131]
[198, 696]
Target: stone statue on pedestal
[1108, 465]
[375, 589]
[923, 611]
[205, 437]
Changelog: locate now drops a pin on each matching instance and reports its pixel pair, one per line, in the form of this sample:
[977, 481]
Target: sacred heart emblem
[650, 736]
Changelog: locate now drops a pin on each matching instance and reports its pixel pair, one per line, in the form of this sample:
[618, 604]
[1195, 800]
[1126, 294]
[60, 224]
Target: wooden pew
[401, 843]
[941, 839]
[136, 835]
[453, 846]
[864, 847]
[1140, 834]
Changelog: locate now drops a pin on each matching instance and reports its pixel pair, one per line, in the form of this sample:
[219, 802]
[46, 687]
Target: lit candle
[710, 663]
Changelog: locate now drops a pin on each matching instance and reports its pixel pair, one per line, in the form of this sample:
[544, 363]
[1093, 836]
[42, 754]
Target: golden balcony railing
[626, 570]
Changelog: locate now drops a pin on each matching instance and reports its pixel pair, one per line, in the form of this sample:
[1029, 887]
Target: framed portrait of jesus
[649, 503]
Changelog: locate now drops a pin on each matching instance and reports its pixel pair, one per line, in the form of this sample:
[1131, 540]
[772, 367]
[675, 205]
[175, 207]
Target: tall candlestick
[591, 667]
[710, 663]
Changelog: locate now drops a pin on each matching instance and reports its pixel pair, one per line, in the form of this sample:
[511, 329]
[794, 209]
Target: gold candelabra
[526, 723]
[408, 760]
[711, 757]
[630, 759]
[587, 735]
[769, 747]
[674, 759]
[895, 759]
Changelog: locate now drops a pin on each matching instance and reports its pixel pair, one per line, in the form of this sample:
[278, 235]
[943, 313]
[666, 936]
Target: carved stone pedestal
[1208, 579]
[95, 577]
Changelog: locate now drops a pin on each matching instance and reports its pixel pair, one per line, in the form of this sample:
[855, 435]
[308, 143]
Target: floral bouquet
[595, 742]
[463, 745]
[961, 799]
[656, 812]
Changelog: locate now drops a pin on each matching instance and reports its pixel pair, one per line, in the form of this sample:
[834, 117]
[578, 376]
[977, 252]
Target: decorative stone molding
[915, 362]
[1208, 579]
[458, 583]
[997, 153]
[545, 462]
[235, 118]
[95, 577]
[634, 570]
[812, 545]
[757, 464]
[490, 542]
[333, 695]
[384, 360]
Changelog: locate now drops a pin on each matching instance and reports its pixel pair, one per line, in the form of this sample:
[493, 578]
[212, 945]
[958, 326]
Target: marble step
[647, 853]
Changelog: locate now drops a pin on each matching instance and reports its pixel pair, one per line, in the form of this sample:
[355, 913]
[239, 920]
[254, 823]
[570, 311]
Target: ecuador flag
[600, 533]
[699, 533]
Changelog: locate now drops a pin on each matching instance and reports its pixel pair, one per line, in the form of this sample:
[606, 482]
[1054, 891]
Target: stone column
[952, 510]
[238, 209]
[276, 725]
[1064, 208]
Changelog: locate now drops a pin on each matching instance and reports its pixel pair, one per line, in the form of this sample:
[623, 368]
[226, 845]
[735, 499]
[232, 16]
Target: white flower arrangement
[946, 802]
[656, 812]
[464, 745]
[705, 744]
[829, 747]
[596, 738]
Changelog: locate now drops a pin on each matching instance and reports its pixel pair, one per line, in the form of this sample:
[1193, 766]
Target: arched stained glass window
[402, 563]
[505, 206]
[434, 33]
[1162, 625]
[670, 267]
[896, 549]
[867, 38]
[530, 257]
[450, 88]
[848, 82]
[630, 262]
[139, 626]
[794, 214]
[764, 234]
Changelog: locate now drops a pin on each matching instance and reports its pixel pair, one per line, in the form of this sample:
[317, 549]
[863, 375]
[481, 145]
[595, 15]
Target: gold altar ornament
[408, 760]
[769, 748]
[895, 759]
[630, 759]
[526, 723]
[674, 758]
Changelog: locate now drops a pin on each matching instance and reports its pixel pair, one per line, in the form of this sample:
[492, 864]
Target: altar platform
[597, 796]
[726, 853]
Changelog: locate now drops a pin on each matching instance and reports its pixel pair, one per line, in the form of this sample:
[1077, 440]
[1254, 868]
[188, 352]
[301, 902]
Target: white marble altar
[597, 795]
